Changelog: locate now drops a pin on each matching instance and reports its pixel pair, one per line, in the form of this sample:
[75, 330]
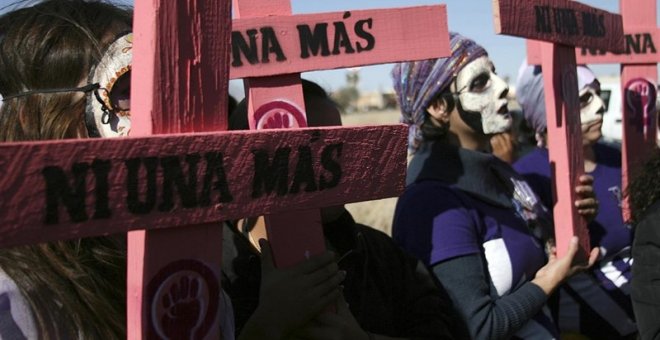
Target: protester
[644, 195]
[595, 303]
[48, 54]
[386, 292]
[465, 213]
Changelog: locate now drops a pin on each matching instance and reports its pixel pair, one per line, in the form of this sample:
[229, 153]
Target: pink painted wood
[534, 54]
[564, 143]
[560, 21]
[180, 75]
[372, 162]
[640, 126]
[564, 25]
[373, 36]
[642, 47]
[249, 8]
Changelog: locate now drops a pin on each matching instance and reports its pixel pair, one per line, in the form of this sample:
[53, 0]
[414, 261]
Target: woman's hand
[550, 276]
[289, 298]
[504, 146]
[587, 204]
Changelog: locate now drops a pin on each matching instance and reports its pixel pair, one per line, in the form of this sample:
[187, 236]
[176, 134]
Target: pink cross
[563, 24]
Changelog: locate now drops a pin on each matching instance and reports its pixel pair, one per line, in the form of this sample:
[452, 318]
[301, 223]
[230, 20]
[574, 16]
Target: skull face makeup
[482, 97]
[592, 106]
[108, 108]
[531, 96]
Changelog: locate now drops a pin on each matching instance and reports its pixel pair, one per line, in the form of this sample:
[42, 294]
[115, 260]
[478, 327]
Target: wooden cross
[270, 47]
[172, 189]
[639, 72]
[563, 24]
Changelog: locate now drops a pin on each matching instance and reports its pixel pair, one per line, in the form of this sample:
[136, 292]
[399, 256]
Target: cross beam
[108, 186]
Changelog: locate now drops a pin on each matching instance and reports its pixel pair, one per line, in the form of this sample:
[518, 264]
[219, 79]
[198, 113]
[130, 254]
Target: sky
[472, 18]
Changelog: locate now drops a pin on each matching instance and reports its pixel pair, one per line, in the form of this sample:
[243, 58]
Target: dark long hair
[433, 131]
[645, 188]
[75, 289]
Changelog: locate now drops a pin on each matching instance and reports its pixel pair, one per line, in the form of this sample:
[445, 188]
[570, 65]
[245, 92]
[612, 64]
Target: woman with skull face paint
[595, 303]
[465, 213]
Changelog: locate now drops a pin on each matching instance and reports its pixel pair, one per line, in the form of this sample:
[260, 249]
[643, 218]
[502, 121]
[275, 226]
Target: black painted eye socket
[120, 95]
[586, 99]
[480, 83]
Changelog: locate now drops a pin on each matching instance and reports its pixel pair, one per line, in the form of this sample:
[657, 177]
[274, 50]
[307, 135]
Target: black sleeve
[487, 318]
[391, 293]
[646, 275]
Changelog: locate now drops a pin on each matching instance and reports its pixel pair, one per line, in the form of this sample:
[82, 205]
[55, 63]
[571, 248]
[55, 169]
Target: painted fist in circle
[279, 115]
[183, 308]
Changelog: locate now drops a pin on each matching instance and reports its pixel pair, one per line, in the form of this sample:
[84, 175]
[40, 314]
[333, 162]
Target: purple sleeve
[16, 320]
[8, 327]
[433, 222]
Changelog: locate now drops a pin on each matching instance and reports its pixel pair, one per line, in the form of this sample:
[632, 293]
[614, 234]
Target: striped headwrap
[418, 83]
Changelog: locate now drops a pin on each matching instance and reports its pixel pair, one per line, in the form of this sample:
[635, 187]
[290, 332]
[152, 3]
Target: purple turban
[418, 83]
[531, 97]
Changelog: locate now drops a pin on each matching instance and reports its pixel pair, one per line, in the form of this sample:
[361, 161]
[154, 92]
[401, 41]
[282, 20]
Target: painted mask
[108, 108]
[482, 97]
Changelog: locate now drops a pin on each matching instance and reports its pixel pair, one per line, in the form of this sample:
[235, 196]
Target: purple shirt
[597, 303]
[437, 223]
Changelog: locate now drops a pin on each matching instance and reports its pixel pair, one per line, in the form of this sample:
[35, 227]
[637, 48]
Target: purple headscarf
[531, 97]
[417, 83]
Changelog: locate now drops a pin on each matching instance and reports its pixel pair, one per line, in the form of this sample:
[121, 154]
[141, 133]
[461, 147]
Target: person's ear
[439, 110]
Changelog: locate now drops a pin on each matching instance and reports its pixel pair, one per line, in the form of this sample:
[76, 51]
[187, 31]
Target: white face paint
[591, 106]
[108, 108]
[481, 90]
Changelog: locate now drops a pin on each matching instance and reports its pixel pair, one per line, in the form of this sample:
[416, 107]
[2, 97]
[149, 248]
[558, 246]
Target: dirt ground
[371, 118]
[377, 214]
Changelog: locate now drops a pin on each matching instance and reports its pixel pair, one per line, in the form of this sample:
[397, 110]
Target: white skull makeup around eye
[108, 108]
[592, 106]
[482, 91]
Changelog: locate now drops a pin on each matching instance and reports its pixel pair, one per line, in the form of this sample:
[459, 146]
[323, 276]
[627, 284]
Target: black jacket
[389, 292]
[646, 274]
